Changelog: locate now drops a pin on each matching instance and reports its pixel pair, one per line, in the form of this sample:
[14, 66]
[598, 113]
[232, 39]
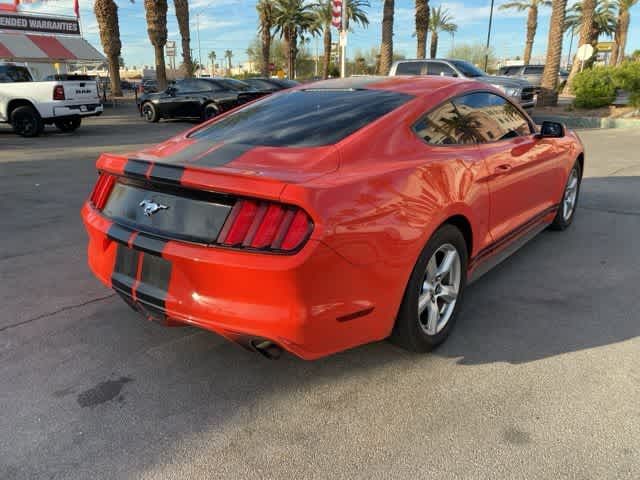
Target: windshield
[468, 69]
[303, 118]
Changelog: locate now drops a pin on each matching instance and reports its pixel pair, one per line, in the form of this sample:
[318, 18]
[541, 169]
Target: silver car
[531, 73]
[520, 91]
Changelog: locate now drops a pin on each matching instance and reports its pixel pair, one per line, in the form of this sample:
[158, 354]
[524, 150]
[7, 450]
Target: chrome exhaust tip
[267, 349]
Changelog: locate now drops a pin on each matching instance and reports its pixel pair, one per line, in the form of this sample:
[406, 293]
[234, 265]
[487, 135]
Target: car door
[522, 169]
[169, 100]
[533, 74]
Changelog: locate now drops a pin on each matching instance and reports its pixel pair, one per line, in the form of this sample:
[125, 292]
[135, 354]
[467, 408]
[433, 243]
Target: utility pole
[343, 40]
[486, 55]
[199, 50]
[316, 70]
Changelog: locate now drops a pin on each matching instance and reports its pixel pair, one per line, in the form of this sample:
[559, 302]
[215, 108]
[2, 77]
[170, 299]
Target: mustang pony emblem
[150, 207]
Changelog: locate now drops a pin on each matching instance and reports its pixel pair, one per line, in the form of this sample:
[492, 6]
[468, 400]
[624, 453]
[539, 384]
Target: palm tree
[212, 59]
[292, 19]
[355, 13]
[441, 21]
[422, 27]
[182, 15]
[386, 47]
[532, 7]
[227, 55]
[156, 12]
[593, 18]
[549, 84]
[622, 30]
[106, 12]
[265, 14]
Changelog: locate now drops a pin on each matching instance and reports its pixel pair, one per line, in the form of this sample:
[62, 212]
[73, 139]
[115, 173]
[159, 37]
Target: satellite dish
[585, 52]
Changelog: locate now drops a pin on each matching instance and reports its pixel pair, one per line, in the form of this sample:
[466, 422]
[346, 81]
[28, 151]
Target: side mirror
[551, 130]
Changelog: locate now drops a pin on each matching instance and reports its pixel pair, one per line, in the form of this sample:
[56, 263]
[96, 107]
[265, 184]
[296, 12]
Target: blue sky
[231, 24]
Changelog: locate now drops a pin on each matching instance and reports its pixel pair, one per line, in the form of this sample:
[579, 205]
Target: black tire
[561, 221]
[408, 331]
[150, 112]
[26, 122]
[68, 125]
[209, 111]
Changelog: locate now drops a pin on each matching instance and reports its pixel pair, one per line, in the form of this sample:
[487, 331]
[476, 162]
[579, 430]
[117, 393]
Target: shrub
[627, 78]
[594, 88]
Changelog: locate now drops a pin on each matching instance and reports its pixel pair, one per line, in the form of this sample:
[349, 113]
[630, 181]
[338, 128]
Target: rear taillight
[265, 226]
[58, 92]
[102, 189]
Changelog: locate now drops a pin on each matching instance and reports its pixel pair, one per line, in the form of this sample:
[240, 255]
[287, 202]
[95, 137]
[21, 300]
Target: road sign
[585, 52]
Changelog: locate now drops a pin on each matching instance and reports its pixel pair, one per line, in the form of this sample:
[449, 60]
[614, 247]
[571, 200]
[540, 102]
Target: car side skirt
[495, 253]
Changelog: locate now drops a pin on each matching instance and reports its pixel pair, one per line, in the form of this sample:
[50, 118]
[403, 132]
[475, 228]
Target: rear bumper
[312, 304]
[83, 110]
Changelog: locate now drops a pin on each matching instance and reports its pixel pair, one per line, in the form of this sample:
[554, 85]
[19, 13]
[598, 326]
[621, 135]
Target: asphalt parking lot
[541, 378]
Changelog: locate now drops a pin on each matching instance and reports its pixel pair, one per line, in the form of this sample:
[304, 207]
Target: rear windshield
[69, 77]
[303, 118]
[235, 84]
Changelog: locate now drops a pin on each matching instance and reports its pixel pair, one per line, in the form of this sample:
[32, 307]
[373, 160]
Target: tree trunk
[624, 32]
[114, 75]
[532, 26]
[586, 36]
[326, 60]
[106, 12]
[434, 44]
[549, 94]
[294, 53]
[266, 52]
[161, 71]
[182, 16]
[422, 27]
[386, 47]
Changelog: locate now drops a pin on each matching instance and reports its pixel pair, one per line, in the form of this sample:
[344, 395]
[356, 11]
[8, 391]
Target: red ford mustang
[331, 215]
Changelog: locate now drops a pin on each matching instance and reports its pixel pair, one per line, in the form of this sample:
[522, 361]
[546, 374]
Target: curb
[589, 122]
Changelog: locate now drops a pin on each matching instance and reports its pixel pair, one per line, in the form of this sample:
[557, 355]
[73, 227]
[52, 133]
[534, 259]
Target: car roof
[417, 85]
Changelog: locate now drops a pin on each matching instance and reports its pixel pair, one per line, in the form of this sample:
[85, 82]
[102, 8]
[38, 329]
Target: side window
[216, 87]
[439, 68]
[440, 126]
[10, 74]
[486, 117]
[203, 86]
[411, 68]
[188, 86]
[470, 119]
[533, 70]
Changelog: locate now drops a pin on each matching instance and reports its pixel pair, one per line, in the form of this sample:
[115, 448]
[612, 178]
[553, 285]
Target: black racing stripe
[119, 233]
[149, 244]
[167, 173]
[125, 269]
[227, 153]
[154, 280]
[136, 168]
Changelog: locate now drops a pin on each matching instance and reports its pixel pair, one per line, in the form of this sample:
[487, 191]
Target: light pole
[199, 50]
[486, 55]
[343, 41]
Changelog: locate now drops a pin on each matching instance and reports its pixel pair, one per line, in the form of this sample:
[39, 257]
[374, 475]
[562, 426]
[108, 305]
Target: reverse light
[102, 190]
[58, 92]
[265, 226]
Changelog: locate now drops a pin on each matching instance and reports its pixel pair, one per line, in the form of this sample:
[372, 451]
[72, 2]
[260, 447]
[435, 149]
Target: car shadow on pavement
[564, 291]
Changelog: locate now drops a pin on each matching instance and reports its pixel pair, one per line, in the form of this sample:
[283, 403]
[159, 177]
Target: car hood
[503, 81]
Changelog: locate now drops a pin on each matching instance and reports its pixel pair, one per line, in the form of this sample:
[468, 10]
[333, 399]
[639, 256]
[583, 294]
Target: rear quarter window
[303, 118]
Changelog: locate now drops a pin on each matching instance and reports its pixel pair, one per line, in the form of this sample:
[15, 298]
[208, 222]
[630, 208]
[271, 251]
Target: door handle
[505, 167]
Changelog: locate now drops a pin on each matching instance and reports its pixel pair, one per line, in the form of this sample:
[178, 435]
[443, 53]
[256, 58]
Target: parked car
[201, 98]
[532, 74]
[519, 90]
[63, 100]
[270, 85]
[331, 215]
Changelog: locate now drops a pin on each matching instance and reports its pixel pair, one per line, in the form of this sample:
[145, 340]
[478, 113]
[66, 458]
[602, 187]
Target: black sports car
[201, 98]
[270, 85]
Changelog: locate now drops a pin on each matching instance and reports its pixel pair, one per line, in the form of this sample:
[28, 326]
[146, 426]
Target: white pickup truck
[29, 105]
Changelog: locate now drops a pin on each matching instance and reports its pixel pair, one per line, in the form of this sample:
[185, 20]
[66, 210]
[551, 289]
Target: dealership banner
[39, 23]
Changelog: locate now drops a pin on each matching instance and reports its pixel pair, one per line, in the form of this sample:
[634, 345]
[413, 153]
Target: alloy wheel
[570, 195]
[439, 290]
